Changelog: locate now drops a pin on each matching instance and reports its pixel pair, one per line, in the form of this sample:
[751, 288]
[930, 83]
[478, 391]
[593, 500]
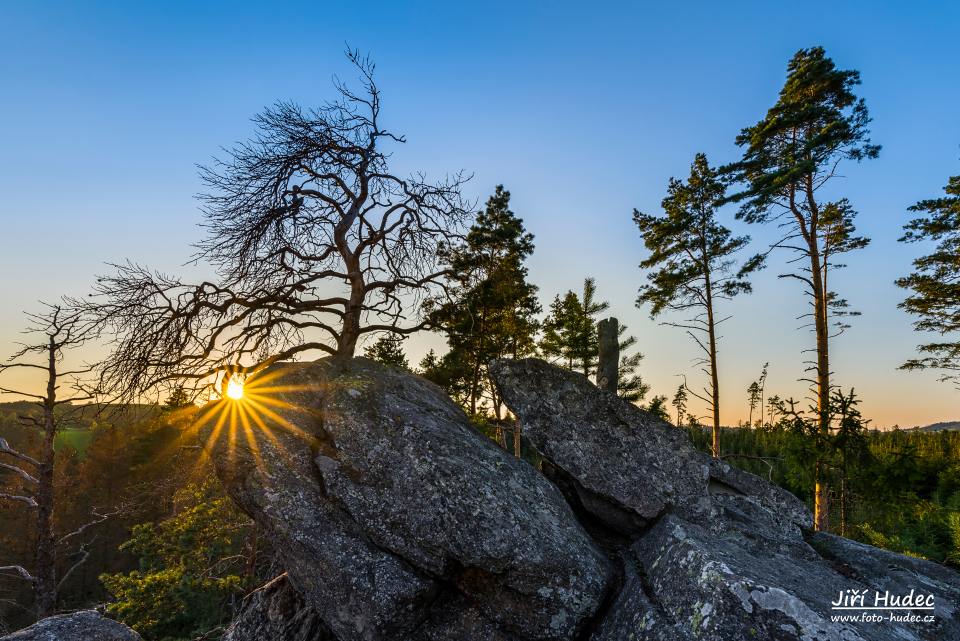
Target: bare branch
[20, 570]
[29, 501]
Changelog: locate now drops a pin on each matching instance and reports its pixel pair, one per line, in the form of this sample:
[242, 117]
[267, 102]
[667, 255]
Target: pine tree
[789, 157]
[570, 337]
[177, 399]
[658, 407]
[691, 258]
[935, 283]
[762, 382]
[680, 403]
[753, 399]
[492, 313]
[388, 349]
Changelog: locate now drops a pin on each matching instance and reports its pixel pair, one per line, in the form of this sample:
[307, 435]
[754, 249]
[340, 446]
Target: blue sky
[582, 110]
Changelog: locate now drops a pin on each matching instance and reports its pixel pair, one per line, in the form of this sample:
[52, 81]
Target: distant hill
[940, 427]
[81, 416]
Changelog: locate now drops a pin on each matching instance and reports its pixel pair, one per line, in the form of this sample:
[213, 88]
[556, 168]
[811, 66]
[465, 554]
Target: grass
[78, 439]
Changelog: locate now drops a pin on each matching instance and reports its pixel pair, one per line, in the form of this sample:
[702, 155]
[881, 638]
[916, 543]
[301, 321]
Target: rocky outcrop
[725, 558]
[391, 512]
[620, 463]
[395, 519]
[86, 625]
[277, 612]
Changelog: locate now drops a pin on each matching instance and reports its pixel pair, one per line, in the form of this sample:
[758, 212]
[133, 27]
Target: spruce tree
[935, 283]
[789, 156]
[570, 338]
[691, 258]
[680, 403]
[388, 349]
[493, 309]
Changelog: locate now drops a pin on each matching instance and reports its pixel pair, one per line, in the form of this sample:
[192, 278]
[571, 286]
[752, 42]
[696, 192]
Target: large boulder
[714, 552]
[395, 519]
[384, 503]
[86, 625]
[263, 448]
[731, 583]
[622, 464]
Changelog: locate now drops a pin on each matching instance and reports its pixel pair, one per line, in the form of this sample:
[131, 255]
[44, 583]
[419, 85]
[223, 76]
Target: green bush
[190, 568]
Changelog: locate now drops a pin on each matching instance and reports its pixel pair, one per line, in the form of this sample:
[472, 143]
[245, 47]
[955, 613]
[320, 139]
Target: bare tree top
[314, 241]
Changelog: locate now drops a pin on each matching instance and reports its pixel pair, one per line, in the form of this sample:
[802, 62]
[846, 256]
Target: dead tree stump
[609, 354]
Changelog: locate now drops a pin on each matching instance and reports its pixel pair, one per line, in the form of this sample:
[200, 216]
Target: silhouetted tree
[679, 403]
[61, 329]
[448, 372]
[772, 404]
[658, 407]
[388, 349]
[935, 283]
[753, 399]
[762, 382]
[316, 243]
[789, 157]
[177, 398]
[691, 258]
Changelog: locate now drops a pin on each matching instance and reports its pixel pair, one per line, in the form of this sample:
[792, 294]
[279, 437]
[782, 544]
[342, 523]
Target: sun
[235, 387]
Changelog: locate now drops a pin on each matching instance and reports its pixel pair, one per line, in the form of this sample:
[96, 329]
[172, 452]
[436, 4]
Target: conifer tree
[570, 337]
[658, 407]
[691, 258]
[493, 309]
[935, 283]
[789, 156]
[753, 399]
[680, 403]
[388, 349]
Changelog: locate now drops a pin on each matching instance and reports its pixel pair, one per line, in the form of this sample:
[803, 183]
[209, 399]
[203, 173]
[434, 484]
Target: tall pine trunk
[712, 345]
[821, 512]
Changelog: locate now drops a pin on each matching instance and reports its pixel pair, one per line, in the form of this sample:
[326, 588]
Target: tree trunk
[350, 334]
[45, 586]
[821, 516]
[501, 436]
[478, 363]
[714, 377]
[608, 357]
[516, 437]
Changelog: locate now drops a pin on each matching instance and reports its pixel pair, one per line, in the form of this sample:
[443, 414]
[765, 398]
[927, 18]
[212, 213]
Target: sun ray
[251, 439]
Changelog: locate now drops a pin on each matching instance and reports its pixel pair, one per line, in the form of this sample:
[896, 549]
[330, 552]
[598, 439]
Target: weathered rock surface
[625, 466]
[383, 500]
[886, 572]
[733, 566]
[263, 449]
[395, 519]
[277, 612]
[786, 509]
[86, 625]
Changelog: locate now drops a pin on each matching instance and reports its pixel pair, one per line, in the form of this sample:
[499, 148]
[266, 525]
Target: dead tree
[316, 243]
[61, 329]
[608, 358]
